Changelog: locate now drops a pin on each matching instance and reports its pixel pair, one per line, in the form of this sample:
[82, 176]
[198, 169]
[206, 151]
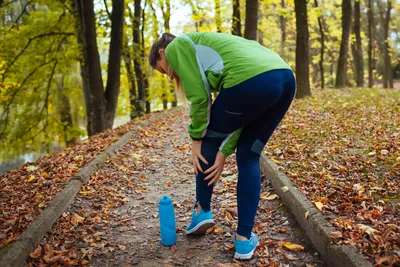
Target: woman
[256, 88]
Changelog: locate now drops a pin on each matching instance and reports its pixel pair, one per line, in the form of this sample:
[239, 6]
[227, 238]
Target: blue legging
[258, 105]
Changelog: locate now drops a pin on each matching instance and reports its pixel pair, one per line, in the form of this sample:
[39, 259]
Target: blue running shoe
[200, 223]
[245, 248]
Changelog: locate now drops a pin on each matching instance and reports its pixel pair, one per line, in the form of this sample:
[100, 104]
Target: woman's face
[162, 65]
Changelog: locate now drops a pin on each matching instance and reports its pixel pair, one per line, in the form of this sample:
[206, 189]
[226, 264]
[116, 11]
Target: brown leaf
[335, 234]
[383, 259]
[289, 257]
[36, 253]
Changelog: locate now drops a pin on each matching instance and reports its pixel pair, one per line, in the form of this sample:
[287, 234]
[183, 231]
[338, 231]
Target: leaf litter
[114, 219]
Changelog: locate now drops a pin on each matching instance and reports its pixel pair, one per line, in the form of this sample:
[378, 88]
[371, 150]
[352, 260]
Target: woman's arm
[182, 58]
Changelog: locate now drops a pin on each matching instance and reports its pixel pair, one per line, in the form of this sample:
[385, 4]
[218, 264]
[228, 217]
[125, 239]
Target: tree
[344, 45]
[236, 22]
[371, 26]
[250, 30]
[302, 49]
[218, 21]
[387, 66]
[100, 105]
[322, 40]
[138, 59]
[357, 47]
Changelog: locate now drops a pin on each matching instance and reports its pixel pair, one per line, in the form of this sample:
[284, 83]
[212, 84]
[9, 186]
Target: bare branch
[27, 45]
[108, 12]
[6, 4]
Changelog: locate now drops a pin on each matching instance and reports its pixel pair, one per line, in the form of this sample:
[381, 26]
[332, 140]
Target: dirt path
[114, 221]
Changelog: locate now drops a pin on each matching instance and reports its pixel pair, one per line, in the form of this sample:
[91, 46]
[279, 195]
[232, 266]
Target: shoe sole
[201, 228]
[247, 256]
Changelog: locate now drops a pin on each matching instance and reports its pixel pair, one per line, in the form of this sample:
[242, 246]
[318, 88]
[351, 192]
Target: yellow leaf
[31, 178]
[121, 247]
[42, 204]
[335, 234]
[293, 246]
[285, 189]
[319, 205]
[276, 161]
[306, 215]
[217, 230]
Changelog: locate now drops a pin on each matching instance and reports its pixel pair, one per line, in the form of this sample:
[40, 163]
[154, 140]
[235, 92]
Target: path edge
[16, 253]
[315, 225]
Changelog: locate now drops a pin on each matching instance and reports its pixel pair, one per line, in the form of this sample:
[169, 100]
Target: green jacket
[206, 62]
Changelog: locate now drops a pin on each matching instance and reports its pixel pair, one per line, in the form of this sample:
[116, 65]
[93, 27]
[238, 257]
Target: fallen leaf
[272, 197]
[264, 195]
[76, 219]
[285, 189]
[276, 161]
[319, 205]
[366, 229]
[289, 257]
[31, 168]
[217, 230]
[306, 214]
[122, 247]
[31, 178]
[384, 259]
[282, 230]
[335, 234]
[36, 253]
[292, 246]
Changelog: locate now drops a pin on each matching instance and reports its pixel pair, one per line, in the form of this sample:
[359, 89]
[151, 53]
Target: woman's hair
[163, 42]
[154, 56]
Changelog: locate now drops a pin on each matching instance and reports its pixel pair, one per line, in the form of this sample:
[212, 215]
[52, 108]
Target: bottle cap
[165, 200]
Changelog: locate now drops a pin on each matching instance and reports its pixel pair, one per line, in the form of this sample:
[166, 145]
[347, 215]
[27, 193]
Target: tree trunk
[131, 78]
[370, 43]
[282, 21]
[250, 29]
[321, 53]
[387, 66]
[167, 16]
[236, 22]
[344, 46]
[359, 62]
[64, 109]
[96, 109]
[146, 76]
[302, 49]
[114, 60]
[218, 20]
[140, 104]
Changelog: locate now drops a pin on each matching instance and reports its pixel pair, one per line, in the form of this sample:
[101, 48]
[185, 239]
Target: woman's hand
[215, 170]
[196, 155]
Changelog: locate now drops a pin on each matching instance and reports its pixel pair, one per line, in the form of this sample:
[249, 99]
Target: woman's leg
[233, 109]
[250, 145]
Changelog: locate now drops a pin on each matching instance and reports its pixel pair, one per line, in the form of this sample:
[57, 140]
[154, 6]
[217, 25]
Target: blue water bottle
[167, 221]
